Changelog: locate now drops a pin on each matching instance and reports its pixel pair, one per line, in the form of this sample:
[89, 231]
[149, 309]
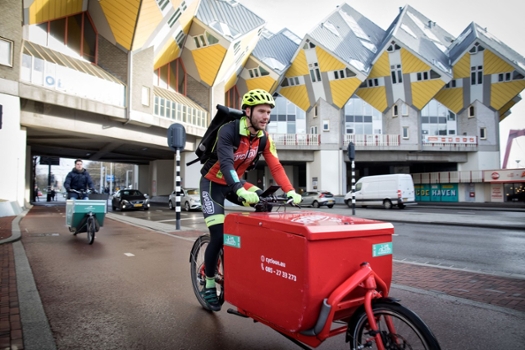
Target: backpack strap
[262, 144]
[237, 136]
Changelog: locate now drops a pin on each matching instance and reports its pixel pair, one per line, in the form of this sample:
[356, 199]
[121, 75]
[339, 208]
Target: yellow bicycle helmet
[257, 97]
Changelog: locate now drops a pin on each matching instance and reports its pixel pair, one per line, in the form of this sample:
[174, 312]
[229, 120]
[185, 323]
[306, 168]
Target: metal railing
[296, 139]
[372, 140]
[450, 143]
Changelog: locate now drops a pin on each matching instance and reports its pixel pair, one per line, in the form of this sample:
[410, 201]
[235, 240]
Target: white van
[385, 190]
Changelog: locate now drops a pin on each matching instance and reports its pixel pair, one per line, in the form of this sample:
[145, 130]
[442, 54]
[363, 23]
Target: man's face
[260, 117]
[78, 165]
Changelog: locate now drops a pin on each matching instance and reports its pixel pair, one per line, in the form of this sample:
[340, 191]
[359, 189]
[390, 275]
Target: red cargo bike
[310, 276]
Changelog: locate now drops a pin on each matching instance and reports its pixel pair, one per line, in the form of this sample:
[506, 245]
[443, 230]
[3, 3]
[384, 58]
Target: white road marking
[129, 254]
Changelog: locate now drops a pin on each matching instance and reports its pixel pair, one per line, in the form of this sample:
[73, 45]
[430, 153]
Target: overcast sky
[503, 19]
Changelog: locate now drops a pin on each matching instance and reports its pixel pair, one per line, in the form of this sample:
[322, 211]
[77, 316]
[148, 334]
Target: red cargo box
[281, 266]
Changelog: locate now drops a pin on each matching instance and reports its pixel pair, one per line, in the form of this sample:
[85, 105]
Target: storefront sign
[504, 175]
[496, 192]
[436, 193]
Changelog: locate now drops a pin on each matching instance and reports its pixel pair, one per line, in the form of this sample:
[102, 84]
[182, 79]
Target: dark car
[130, 199]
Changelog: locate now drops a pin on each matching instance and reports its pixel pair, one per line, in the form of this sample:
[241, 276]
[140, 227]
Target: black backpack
[224, 115]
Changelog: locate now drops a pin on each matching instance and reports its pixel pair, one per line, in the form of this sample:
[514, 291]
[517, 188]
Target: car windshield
[193, 191]
[131, 193]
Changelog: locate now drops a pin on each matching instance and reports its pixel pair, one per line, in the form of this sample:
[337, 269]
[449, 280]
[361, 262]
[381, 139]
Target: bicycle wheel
[399, 327]
[198, 276]
[90, 229]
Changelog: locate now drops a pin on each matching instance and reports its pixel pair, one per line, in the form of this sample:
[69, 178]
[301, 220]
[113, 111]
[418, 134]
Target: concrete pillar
[190, 174]
[325, 172]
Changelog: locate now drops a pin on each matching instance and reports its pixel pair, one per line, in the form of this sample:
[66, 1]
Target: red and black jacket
[233, 160]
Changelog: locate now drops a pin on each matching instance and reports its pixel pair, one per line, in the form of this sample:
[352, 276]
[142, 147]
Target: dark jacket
[78, 180]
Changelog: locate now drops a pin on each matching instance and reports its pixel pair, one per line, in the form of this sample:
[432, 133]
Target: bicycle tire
[90, 230]
[198, 277]
[409, 329]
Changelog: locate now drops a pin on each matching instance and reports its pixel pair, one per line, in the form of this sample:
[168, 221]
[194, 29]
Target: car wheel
[170, 205]
[145, 208]
[401, 206]
[348, 203]
[114, 208]
[330, 206]
[187, 206]
[387, 204]
[315, 204]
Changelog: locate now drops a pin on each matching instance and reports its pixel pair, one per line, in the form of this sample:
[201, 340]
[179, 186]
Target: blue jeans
[74, 195]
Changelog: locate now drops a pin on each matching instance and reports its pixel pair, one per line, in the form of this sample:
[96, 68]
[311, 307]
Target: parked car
[190, 199]
[318, 198]
[130, 199]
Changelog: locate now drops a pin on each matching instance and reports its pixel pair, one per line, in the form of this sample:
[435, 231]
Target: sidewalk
[503, 294]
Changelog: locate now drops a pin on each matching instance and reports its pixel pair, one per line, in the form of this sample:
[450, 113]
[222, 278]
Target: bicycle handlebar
[83, 191]
[265, 203]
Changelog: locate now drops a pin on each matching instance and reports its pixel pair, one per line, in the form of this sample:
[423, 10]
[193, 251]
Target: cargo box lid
[313, 225]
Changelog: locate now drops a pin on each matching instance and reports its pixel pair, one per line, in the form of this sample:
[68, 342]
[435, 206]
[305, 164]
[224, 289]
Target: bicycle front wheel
[198, 275]
[90, 229]
[399, 327]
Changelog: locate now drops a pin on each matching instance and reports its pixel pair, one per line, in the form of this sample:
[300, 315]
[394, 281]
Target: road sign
[110, 177]
[49, 160]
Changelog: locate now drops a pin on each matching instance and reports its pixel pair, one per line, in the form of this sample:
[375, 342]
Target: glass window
[74, 32]
[406, 133]
[361, 118]
[6, 52]
[90, 40]
[436, 119]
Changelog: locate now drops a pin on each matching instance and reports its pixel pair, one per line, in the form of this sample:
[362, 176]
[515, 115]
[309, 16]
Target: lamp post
[102, 179]
[127, 171]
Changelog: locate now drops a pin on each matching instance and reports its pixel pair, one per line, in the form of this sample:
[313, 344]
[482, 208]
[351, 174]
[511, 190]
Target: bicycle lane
[73, 277]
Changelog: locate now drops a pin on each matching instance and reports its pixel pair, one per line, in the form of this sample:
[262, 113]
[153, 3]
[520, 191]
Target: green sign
[232, 241]
[422, 193]
[382, 249]
[436, 192]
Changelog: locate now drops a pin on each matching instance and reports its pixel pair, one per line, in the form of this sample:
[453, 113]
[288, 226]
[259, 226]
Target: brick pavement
[489, 289]
[10, 323]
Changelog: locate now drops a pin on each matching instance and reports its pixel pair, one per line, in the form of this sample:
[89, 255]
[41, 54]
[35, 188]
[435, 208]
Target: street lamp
[127, 171]
[102, 168]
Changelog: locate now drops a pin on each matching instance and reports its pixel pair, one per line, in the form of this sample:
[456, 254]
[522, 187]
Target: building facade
[103, 80]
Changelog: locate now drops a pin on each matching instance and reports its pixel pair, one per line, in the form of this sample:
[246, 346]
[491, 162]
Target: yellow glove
[295, 197]
[247, 197]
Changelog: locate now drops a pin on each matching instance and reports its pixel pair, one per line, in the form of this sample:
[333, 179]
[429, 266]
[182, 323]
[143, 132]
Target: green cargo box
[77, 209]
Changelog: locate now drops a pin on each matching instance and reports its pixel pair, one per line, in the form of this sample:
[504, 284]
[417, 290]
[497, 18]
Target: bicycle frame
[334, 305]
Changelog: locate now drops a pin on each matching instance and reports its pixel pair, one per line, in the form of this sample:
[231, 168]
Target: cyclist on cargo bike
[221, 176]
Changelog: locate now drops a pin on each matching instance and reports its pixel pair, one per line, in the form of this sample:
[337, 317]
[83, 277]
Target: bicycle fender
[361, 309]
[197, 242]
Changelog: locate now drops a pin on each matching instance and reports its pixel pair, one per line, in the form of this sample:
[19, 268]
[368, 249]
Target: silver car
[318, 198]
[190, 199]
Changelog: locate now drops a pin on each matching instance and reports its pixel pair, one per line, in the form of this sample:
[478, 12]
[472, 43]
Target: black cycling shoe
[210, 296]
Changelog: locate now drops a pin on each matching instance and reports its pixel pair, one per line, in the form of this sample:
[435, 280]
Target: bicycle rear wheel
[90, 229]
[198, 276]
[399, 327]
